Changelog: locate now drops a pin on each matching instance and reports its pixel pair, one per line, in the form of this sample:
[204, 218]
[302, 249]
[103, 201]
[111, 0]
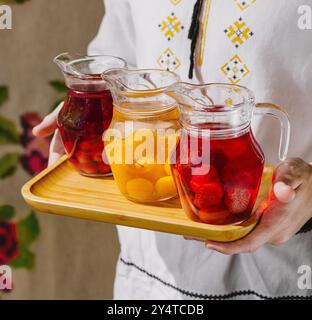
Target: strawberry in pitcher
[218, 164]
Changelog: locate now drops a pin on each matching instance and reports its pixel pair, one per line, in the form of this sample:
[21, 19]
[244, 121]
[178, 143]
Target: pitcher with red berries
[218, 164]
[87, 110]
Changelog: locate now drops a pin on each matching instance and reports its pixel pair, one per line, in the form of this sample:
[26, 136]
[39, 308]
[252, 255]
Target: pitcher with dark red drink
[87, 110]
[218, 164]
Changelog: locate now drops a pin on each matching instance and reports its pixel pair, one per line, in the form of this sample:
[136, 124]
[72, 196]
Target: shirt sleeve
[116, 35]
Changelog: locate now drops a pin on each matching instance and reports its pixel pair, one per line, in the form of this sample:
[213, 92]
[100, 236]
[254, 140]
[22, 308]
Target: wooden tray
[60, 190]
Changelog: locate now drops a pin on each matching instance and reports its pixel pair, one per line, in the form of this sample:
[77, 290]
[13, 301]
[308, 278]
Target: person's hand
[47, 127]
[286, 211]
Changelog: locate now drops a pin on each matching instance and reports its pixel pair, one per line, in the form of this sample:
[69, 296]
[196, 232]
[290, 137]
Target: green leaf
[28, 229]
[25, 259]
[6, 212]
[8, 164]
[13, 1]
[4, 94]
[8, 131]
[58, 86]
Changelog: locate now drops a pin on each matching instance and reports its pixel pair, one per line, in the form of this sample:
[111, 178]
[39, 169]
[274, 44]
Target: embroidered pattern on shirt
[226, 296]
[175, 2]
[168, 60]
[244, 4]
[235, 70]
[171, 26]
[239, 32]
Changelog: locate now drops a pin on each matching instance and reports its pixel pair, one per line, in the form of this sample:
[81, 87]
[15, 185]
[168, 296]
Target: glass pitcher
[87, 110]
[142, 133]
[218, 164]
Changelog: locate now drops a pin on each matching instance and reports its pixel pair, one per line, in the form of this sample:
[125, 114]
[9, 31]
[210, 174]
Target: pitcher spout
[63, 61]
[140, 89]
[141, 83]
[115, 79]
[84, 72]
[187, 94]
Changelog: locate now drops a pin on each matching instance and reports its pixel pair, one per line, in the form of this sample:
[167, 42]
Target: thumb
[56, 148]
[283, 192]
[48, 124]
[288, 176]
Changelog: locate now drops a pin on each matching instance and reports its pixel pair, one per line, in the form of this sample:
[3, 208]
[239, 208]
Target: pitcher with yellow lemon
[143, 133]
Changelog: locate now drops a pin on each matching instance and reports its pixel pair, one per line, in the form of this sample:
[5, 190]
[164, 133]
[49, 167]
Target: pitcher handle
[269, 109]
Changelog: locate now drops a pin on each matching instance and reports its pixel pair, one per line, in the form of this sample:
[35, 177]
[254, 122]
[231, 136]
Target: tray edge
[58, 207]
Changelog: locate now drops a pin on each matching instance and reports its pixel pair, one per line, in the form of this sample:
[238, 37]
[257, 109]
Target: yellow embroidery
[168, 60]
[238, 32]
[175, 2]
[228, 102]
[204, 25]
[171, 26]
[235, 70]
[244, 4]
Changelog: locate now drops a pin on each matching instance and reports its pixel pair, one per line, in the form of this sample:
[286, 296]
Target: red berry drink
[224, 190]
[82, 121]
[87, 111]
[218, 165]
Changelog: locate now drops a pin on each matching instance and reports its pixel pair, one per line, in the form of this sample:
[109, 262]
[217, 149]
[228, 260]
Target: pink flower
[36, 150]
[28, 121]
[8, 242]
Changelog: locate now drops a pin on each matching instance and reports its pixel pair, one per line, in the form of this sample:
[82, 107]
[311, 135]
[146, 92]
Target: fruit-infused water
[140, 159]
[82, 121]
[223, 190]
[142, 134]
[219, 163]
[87, 110]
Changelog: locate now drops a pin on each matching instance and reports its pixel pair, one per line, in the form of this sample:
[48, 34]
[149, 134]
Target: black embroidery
[193, 33]
[214, 296]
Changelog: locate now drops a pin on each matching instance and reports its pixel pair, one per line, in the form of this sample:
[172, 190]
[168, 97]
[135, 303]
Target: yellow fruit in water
[165, 187]
[168, 169]
[143, 167]
[122, 172]
[147, 168]
[144, 163]
[157, 172]
[140, 189]
[139, 144]
[114, 152]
